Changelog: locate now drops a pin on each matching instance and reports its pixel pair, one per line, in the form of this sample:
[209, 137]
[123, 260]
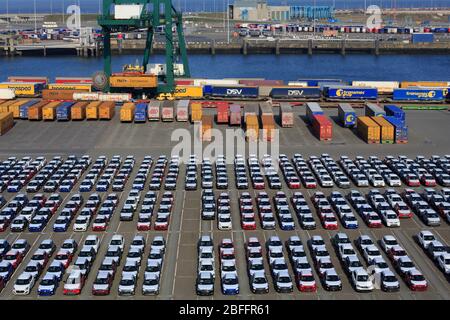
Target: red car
[396, 252]
[248, 222]
[144, 223]
[64, 257]
[4, 225]
[162, 222]
[100, 224]
[329, 221]
[294, 183]
[373, 220]
[428, 180]
[403, 211]
[305, 282]
[102, 284]
[52, 206]
[412, 181]
[14, 257]
[416, 281]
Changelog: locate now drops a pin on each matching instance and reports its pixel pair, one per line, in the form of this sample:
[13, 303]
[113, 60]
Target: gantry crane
[153, 13]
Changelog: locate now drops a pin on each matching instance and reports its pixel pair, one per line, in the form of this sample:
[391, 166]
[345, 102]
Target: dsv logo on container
[295, 92]
[229, 144]
[234, 91]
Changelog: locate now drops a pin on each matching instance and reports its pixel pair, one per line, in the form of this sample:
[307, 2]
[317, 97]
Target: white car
[224, 222]
[387, 242]
[390, 218]
[127, 285]
[92, 241]
[371, 252]
[361, 280]
[443, 262]
[82, 223]
[425, 237]
[24, 283]
[377, 181]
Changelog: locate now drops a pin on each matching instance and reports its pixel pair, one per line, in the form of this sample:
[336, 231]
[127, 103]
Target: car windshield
[332, 277]
[126, 282]
[47, 282]
[23, 281]
[390, 279]
[259, 280]
[101, 281]
[206, 281]
[417, 277]
[363, 278]
[230, 281]
[151, 282]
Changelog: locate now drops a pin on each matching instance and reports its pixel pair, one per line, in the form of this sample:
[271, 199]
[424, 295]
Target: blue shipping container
[23, 109]
[422, 37]
[401, 130]
[351, 93]
[63, 110]
[394, 111]
[347, 115]
[295, 93]
[140, 112]
[420, 94]
[234, 92]
[207, 90]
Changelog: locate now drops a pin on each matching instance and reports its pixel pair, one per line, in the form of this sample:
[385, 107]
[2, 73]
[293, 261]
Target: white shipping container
[7, 94]
[115, 97]
[382, 86]
[216, 82]
[85, 96]
[127, 11]
[297, 83]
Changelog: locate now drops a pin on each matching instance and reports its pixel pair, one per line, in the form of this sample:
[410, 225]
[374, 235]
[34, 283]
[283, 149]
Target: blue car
[6, 270]
[61, 224]
[37, 224]
[102, 187]
[86, 186]
[66, 186]
[4, 247]
[48, 285]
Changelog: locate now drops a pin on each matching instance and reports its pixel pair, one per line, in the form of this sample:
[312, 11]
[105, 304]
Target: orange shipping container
[207, 124]
[4, 107]
[406, 84]
[92, 110]
[387, 129]
[252, 127]
[6, 122]
[368, 130]
[49, 111]
[48, 94]
[78, 111]
[15, 107]
[107, 110]
[196, 111]
[35, 111]
[268, 127]
[127, 112]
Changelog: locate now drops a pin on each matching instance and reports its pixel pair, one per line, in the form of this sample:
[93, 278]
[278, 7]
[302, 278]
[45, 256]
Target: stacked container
[92, 110]
[347, 115]
[182, 110]
[312, 109]
[106, 110]
[4, 107]
[286, 115]
[153, 110]
[268, 127]
[374, 110]
[15, 107]
[265, 109]
[140, 112]
[127, 112]
[206, 127]
[222, 112]
[63, 111]
[48, 94]
[251, 127]
[78, 111]
[196, 111]
[394, 111]
[23, 109]
[368, 130]
[235, 115]
[167, 110]
[386, 130]
[6, 122]
[250, 109]
[400, 129]
[34, 112]
[49, 111]
[322, 127]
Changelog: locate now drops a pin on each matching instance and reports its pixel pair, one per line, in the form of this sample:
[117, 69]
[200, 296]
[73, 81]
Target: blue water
[92, 6]
[285, 67]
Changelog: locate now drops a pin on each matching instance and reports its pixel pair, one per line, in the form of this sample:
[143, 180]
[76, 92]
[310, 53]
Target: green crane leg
[148, 47]
[182, 44]
[170, 81]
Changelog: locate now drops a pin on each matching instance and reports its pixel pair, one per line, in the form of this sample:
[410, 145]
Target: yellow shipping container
[387, 129]
[15, 107]
[92, 110]
[196, 111]
[194, 92]
[406, 84]
[368, 130]
[70, 86]
[127, 112]
[22, 89]
[49, 111]
[252, 128]
[4, 107]
[148, 81]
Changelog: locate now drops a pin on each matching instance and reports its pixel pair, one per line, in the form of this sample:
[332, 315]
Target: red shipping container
[184, 82]
[235, 114]
[222, 112]
[322, 127]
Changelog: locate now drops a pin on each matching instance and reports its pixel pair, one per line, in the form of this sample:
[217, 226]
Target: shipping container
[127, 112]
[407, 84]
[384, 87]
[286, 115]
[114, 97]
[7, 94]
[265, 108]
[183, 110]
[322, 127]
[86, 96]
[298, 84]
[154, 110]
[216, 82]
[419, 94]
[59, 94]
[140, 112]
[43, 80]
[394, 111]
[368, 130]
[63, 111]
[70, 86]
[250, 109]
[29, 89]
[264, 91]
[63, 80]
[127, 81]
[350, 93]
[206, 128]
[268, 127]
[78, 110]
[6, 122]
[193, 92]
[251, 128]
[167, 112]
[49, 111]
[234, 92]
[4, 107]
[373, 110]
[235, 114]
[346, 115]
[295, 93]
[400, 129]
[257, 83]
[312, 109]
[222, 112]
[107, 110]
[386, 130]
[92, 110]
[422, 37]
[35, 111]
[184, 82]
[15, 107]
[196, 111]
[23, 109]
[315, 82]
